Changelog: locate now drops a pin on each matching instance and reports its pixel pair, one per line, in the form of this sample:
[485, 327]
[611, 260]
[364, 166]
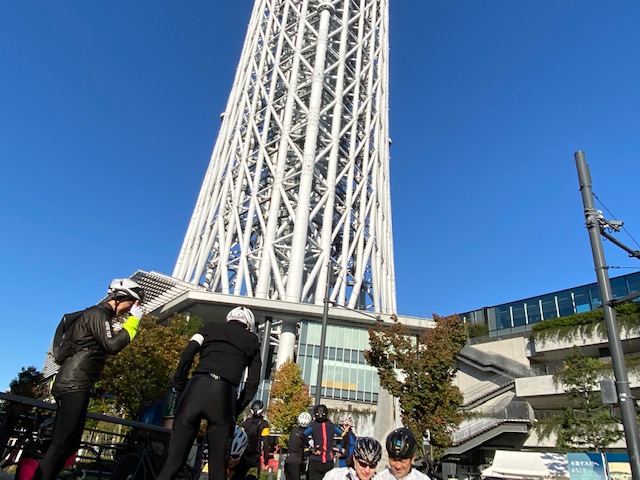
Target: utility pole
[595, 225]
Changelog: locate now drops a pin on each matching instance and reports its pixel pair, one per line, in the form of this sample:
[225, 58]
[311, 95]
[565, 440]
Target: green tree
[289, 397]
[584, 424]
[29, 383]
[420, 372]
[143, 371]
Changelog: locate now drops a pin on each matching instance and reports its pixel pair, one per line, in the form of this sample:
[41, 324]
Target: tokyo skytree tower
[299, 176]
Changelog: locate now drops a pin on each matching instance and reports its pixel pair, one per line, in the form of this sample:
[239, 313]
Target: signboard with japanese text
[586, 466]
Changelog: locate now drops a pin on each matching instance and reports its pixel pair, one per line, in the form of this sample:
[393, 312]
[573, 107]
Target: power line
[614, 217]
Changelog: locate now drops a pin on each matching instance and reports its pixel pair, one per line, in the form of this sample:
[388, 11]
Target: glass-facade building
[518, 316]
[346, 375]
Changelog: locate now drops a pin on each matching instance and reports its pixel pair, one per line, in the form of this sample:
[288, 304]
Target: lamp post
[323, 335]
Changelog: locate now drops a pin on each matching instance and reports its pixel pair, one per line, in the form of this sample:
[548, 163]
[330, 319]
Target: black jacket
[226, 350]
[94, 341]
[297, 445]
[258, 430]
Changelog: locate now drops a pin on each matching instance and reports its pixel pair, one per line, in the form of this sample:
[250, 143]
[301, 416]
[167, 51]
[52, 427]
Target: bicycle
[146, 464]
[30, 444]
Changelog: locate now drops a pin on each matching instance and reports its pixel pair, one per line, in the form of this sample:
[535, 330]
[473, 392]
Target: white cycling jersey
[342, 473]
[412, 475]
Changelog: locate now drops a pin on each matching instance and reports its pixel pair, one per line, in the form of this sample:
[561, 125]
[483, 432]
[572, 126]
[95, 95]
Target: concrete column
[287, 344]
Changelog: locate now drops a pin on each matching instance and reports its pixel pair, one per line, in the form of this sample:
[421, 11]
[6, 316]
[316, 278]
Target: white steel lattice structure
[299, 176]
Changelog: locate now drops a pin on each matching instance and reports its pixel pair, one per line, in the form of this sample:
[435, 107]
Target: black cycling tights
[317, 470]
[67, 434]
[293, 471]
[213, 400]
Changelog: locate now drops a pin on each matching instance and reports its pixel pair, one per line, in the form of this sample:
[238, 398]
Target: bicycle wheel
[129, 467]
[87, 465]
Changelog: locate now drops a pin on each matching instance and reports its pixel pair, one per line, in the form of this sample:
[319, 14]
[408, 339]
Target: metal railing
[110, 436]
[509, 411]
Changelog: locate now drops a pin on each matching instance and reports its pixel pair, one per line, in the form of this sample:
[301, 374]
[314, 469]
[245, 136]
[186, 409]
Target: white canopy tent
[513, 465]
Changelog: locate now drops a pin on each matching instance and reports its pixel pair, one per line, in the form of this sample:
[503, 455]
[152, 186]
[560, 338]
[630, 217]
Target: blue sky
[109, 112]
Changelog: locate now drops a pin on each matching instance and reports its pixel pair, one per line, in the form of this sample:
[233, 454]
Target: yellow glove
[132, 323]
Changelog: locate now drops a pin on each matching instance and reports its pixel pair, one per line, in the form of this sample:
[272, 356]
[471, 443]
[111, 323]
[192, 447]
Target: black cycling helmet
[368, 450]
[320, 412]
[45, 431]
[401, 443]
[256, 408]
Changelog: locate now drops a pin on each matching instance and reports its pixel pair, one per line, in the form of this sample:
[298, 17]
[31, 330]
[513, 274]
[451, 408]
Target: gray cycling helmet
[368, 450]
[122, 289]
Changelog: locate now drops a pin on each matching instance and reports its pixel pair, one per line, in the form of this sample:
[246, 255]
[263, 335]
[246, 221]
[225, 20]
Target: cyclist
[94, 339]
[322, 432]
[226, 350]
[401, 446]
[367, 452]
[258, 431]
[348, 441]
[297, 447]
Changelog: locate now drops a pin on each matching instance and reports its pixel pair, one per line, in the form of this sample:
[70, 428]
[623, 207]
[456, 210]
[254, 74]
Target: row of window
[518, 315]
[345, 373]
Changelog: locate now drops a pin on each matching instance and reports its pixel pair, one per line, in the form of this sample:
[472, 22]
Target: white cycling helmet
[124, 289]
[239, 443]
[242, 315]
[347, 420]
[304, 419]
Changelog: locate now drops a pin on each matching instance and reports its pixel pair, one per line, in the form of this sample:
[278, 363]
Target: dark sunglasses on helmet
[365, 464]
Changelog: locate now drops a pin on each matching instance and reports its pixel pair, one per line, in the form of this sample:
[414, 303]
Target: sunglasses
[365, 464]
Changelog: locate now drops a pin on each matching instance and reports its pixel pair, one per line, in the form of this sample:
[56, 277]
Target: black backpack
[63, 347]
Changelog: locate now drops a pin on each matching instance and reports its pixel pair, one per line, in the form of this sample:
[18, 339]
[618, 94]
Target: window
[504, 317]
[533, 311]
[581, 299]
[517, 310]
[549, 309]
[619, 287]
[565, 303]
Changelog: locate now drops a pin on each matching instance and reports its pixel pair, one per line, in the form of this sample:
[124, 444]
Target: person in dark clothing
[258, 431]
[94, 338]
[225, 350]
[345, 455]
[322, 432]
[297, 447]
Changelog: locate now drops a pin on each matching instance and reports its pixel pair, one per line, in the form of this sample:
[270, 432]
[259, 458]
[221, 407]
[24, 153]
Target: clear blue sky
[109, 112]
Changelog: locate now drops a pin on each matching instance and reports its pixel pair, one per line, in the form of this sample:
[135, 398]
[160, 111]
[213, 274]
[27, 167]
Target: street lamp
[323, 331]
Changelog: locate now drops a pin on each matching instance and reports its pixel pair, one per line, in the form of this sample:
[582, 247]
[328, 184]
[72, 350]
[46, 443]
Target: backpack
[62, 346]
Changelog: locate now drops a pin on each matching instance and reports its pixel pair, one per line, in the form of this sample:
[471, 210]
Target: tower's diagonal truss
[299, 176]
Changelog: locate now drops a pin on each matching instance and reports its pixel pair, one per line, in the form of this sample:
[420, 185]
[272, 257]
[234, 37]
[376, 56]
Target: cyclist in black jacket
[322, 432]
[94, 339]
[297, 448]
[258, 431]
[226, 350]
